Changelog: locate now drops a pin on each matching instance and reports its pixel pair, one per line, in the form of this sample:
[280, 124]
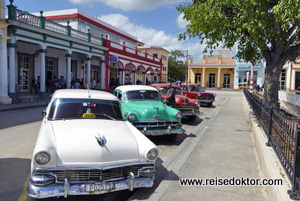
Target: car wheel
[209, 104]
[192, 118]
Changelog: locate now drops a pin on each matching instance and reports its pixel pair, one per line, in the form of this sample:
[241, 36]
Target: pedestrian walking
[170, 98]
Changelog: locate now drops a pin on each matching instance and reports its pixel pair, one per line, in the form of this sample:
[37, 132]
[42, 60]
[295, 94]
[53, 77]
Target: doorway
[226, 83]
[212, 80]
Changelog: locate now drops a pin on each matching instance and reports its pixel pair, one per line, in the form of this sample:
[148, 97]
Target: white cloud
[181, 23]
[153, 37]
[128, 5]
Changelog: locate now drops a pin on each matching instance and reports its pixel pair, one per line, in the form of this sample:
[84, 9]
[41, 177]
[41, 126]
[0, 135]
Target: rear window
[84, 109]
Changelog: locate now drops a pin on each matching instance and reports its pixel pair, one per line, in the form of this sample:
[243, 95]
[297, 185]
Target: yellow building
[290, 76]
[158, 52]
[214, 71]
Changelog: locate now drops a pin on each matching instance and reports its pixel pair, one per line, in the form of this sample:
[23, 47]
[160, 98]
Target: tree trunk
[271, 83]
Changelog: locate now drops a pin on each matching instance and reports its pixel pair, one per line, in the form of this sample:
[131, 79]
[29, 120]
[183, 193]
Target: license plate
[154, 132]
[188, 114]
[103, 186]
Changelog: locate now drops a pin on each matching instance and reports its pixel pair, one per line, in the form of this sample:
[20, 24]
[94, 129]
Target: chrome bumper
[162, 132]
[190, 113]
[65, 189]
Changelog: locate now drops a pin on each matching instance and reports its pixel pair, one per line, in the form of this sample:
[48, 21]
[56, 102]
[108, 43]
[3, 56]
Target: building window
[164, 58]
[282, 79]
[155, 55]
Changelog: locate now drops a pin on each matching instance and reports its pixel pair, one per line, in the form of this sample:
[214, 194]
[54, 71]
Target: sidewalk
[226, 150]
[19, 106]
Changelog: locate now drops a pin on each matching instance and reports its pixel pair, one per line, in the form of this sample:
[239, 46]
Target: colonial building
[60, 47]
[213, 71]
[124, 63]
[158, 52]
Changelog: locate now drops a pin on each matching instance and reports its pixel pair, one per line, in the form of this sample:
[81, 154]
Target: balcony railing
[132, 52]
[41, 22]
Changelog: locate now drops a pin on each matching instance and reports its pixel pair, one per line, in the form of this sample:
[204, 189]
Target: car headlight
[152, 154]
[131, 117]
[178, 115]
[42, 158]
[197, 104]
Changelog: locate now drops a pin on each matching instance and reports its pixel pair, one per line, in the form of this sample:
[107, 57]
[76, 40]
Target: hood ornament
[101, 140]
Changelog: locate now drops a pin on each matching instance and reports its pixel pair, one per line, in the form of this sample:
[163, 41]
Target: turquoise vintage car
[144, 108]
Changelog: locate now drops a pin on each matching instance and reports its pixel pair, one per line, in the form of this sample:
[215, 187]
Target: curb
[269, 163]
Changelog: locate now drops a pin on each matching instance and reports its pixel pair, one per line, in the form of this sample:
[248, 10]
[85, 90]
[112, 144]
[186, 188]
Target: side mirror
[44, 113]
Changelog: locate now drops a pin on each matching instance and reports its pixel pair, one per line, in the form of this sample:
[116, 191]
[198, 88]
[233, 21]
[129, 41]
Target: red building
[124, 64]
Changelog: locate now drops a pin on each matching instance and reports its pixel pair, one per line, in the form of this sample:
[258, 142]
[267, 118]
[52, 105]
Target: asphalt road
[18, 132]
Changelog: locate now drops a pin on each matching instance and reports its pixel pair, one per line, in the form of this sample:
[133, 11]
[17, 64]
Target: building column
[288, 77]
[203, 78]
[43, 73]
[88, 72]
[219, 79]
[122, 76]
[4, 99]
[102, 79]
[293, 89]
[12, 71]
[68, 77]
[134, 77]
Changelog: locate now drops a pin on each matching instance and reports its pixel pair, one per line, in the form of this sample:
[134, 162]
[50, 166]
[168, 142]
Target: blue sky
[154, 22]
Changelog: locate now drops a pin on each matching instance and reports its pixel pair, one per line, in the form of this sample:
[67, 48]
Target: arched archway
[130, 72]
[156, 76]
[116, 72]
[149, 76]
[140, 75]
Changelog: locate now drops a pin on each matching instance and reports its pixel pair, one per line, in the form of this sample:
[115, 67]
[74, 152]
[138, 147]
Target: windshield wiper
[106, 115]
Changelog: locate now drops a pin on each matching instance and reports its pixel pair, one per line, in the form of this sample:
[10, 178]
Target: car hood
[76, 142]
[146, 110]
[180, 99]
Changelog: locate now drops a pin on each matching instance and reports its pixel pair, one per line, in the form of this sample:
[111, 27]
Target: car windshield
[84, 109]
[193, 88]
[164, 90]
[139, 95]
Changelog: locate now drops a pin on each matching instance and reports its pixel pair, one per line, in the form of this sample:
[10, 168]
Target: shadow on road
[20, 117]
[13, 174]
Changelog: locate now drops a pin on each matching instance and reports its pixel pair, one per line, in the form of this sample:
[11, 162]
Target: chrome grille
[83, 175]
[156, 124]
[206, 98]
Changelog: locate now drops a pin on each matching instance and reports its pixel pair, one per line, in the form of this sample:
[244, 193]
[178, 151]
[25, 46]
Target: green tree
[176, 67]
[266, 29]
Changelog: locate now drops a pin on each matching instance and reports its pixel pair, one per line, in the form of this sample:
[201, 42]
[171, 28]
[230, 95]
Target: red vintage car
[188, 107]
[193, 91]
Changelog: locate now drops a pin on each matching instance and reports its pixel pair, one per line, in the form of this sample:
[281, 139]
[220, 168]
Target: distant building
[213, 71]
[161, 53]
[243, 71]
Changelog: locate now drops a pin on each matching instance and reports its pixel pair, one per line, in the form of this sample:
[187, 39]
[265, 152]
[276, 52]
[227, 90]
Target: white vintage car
[85, 147]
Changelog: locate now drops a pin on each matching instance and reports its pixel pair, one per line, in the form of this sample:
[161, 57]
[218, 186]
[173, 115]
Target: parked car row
[93, 142]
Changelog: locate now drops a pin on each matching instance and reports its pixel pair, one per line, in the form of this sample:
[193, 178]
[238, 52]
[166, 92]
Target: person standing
[170, 98]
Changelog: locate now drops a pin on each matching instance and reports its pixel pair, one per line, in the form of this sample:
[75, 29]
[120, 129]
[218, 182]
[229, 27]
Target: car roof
[83, 94]
[124, 88]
